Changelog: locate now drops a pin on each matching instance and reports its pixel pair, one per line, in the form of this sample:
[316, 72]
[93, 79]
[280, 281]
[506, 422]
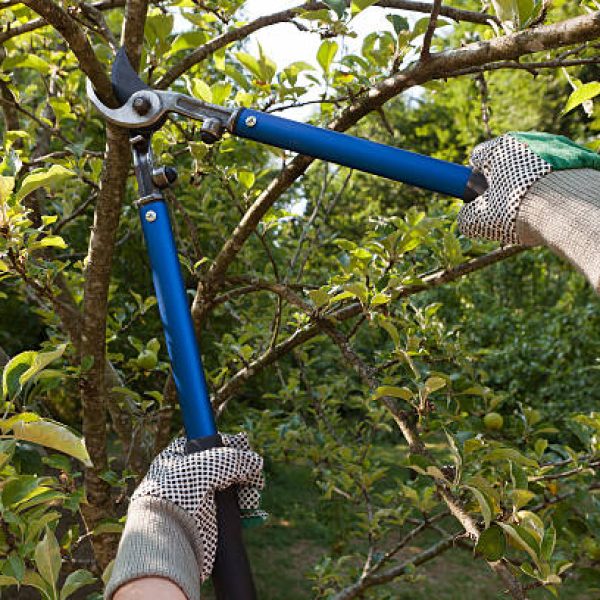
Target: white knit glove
[190, 482]
[511, 164]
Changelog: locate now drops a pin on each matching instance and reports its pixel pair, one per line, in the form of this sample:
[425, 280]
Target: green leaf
[548, 543]
[499, 454]
[485, 506]
[326, 53]
[359, 290]
[29, 61]
[399, 23]
[320, 297]
[220, 92]
[47, 558]
[525, 9]
[263, 68]
[44, 178]
[7, 449]
[246, 178]
[13, 370]
[200, 89]
[6, 580]
[394, 392]
[14, 566]
[75, 580]
[520, 498]
[379, 299]
[18, 488]
[582, 94]
[41, 360]
[53, 435]
[7, 185]
[41, 523]
[522, 539]
[433, 384]
[358, 6]
[338, 6]
[106, 574]
[33, 579]
[109, 526]
[49, 241]
[249, 62]
[540, 447]
[492, 543]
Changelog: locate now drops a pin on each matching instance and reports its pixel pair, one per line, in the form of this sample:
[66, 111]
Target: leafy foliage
[340, 337]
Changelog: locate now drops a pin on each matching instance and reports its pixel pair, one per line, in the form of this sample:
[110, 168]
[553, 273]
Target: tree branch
[79, 45]
[309, 331]
[440, 65]
[93, 329]
[435, 13]
[356, 590]
[132, 37]
[284, 16]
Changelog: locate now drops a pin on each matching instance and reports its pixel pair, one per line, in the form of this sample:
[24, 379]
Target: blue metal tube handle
[232, 576]
[177, 321]
[386, 161]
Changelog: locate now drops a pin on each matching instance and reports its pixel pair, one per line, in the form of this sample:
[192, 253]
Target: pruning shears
[143, 111]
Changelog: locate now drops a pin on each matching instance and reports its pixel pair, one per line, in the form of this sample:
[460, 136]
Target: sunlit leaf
[588, 91]
[45, 178]
[47, 558]
[53, 435]
[326, 53]
[357, 6]
[485, 506]
[394, 392]
[41, 360]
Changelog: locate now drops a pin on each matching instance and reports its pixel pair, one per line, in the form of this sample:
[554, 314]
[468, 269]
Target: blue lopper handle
[386, 161]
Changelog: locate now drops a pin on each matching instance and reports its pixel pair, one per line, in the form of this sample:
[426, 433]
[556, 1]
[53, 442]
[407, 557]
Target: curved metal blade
[125, 80]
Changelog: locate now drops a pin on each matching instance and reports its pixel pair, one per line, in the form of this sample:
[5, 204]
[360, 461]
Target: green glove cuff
[560, 152]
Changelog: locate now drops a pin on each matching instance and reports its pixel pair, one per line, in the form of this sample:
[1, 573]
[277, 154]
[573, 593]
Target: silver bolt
[150, 216]
[250, 121]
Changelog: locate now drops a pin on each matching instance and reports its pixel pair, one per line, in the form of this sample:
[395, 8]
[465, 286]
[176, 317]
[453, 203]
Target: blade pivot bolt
[141, 105]
[250, 121]
[150, 216]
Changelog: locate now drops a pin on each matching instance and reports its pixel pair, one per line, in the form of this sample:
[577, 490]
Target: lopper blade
[125, 80]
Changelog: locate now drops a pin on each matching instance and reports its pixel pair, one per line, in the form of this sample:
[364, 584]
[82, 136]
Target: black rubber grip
[476, 185]
[232, 576]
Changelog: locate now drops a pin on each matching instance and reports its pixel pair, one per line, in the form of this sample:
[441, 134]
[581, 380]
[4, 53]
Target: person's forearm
[158, 542]
[156, 588]
[562, 211]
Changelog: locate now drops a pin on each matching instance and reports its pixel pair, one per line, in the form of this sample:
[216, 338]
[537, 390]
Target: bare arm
[156, 588]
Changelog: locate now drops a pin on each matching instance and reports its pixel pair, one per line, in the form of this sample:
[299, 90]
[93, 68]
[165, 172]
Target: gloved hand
[543, 190]
[512, 163]
[171, 528]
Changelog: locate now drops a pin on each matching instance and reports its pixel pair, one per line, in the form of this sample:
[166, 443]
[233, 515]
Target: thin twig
[431, 27]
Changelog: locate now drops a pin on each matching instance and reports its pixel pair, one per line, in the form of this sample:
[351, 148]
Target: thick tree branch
[132, 37]
[93, 329]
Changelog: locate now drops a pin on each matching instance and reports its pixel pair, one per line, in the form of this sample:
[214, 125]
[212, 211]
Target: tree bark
[93, 334]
